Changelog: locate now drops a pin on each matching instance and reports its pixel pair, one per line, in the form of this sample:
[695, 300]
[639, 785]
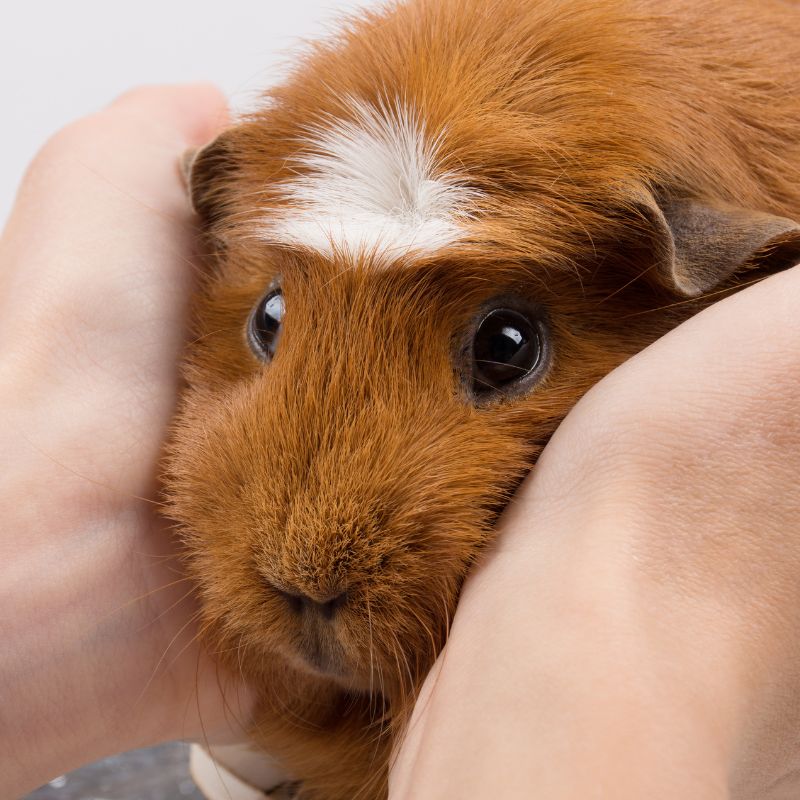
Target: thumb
[196, 111]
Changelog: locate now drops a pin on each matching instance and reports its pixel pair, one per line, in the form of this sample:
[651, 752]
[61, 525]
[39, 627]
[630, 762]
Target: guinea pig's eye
[265, 325]
[508, 349]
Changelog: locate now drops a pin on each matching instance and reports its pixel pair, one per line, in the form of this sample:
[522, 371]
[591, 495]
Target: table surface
[156, 773]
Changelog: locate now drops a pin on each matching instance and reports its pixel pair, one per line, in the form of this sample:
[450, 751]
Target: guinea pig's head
[358, 409]
[400, 307]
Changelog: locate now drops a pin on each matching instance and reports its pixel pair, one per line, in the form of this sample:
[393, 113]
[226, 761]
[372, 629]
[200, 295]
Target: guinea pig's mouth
[321, 661]
[317, 647]
[327, 659]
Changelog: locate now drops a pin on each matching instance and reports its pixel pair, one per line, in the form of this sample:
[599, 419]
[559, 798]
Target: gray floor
[157, 773]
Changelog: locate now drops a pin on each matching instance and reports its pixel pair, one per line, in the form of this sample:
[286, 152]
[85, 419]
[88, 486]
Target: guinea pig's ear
[698, 245]
[207, 171]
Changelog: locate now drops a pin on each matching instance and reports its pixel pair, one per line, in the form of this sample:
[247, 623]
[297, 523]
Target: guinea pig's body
[451, 220]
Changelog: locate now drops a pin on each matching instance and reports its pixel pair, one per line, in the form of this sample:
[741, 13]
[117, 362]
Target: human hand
[635, 630]
[97, 262]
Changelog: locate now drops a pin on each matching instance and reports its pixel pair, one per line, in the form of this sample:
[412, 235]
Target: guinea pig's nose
[301, 603]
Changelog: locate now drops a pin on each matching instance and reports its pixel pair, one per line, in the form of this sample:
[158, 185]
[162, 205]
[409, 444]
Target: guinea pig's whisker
[426, 629]
[374, 776]
[162, 559]
[211, 333]
[197, 267]
[239, 654]
[78, 474]
[224, 691]
[164, 655]
[484, 383]
[195, 693]
[396, 646]
[167, 217]
[622, 288]
[695, 299]
[408, 710]
[301, 722]
[151, 683]
[399, 668]
[579, 222]
[236, 649]
[353, 696]
[380, 679]
[120, 608]
[522, 370]
[166, 610]
[258, 728]
[371, 654]
[337, 276]
[407, 666]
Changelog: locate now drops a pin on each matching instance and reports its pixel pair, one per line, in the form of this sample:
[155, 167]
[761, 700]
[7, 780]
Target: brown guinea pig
[451, 220]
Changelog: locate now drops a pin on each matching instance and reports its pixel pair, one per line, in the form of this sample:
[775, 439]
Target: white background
[63, 59]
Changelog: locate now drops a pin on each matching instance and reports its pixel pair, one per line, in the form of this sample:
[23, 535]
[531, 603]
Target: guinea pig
[450, 220]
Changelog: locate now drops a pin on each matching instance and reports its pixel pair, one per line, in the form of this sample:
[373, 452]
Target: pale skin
[634, 632]
[97, 264]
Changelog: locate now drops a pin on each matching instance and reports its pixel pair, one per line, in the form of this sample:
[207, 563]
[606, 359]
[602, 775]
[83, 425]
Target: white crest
[371, 185]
